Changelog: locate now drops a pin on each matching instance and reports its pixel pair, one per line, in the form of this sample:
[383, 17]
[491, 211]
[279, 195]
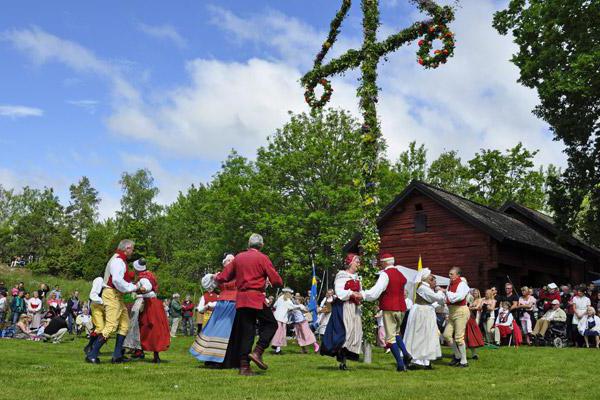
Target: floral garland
[433, 32]
[372, 145]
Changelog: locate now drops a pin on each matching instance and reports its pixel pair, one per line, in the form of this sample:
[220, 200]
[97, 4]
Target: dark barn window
[420, 222]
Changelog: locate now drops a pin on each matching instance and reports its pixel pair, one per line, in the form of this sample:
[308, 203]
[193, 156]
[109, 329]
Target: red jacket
[548, 297]
[250, 269]
[187, 308]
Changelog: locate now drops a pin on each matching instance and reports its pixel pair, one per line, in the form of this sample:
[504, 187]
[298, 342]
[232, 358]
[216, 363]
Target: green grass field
[34, 369]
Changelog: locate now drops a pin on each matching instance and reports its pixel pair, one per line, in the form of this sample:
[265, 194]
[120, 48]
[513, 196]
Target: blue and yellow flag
[312, 303]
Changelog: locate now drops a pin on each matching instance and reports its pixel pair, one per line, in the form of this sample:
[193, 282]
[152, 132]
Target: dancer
[215, 339]
[153, 325]
[97, 309]
[132, 339]
[389, 289]
[454, 334]
[422, 333]
[304, 335]
[473, 336]
[325, 311]
[116, 283]
[343, 336]
[283, 306]
[252, 270]
[207, 304]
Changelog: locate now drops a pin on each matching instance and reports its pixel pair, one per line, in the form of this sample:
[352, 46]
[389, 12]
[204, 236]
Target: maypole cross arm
[430, 30]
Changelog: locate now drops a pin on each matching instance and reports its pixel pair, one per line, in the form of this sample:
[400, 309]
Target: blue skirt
[334, 338]
[211, 344]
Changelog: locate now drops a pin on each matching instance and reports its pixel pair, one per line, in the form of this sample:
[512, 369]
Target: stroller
[556, 336]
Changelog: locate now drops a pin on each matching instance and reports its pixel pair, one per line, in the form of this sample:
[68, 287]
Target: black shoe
[459, 365]
[120, 360]
[401, 369]
[428, 367]
[407, 359]
[413, 367]
[454, 361]
[475, 357]
[343, 367]
[92, 360]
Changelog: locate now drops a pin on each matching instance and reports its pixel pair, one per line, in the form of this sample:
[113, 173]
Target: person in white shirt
[580, 304]
[97, 311]
[504, 322]
[325, 311]
[589, 326]
[553, 314]
[117, 282]
[458, 316]
[283, 306]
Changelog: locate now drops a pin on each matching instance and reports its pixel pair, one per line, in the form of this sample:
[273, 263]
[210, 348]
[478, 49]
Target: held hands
[141, 289]
[357, 295]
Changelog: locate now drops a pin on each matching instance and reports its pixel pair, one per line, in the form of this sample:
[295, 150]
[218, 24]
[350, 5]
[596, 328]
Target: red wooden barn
[448, 230]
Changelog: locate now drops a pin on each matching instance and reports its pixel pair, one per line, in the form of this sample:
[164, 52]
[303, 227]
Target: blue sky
[98, 88]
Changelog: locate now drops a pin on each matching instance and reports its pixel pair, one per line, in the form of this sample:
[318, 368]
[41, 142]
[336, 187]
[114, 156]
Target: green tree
[307, 174]
[412, 164]
[559, 56]
[449, 173]
[496, 178]
[82, 210]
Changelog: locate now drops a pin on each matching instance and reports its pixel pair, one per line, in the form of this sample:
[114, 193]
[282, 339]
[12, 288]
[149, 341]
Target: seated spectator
[3, 288]
[548, 294]
[580, 304]
[18, 306]
[55, 329]
[589, 326]
[84, 322]
[22, 330]
[53, 304]
[3, 307]
[504, 322]
[555, 314]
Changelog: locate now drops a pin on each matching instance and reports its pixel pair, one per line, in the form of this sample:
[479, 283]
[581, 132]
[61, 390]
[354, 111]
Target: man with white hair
[117, 282]
[389, 289]
[458, 316]
[252, 271]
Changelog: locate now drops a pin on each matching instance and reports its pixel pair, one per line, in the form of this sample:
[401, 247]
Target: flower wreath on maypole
[433, 32]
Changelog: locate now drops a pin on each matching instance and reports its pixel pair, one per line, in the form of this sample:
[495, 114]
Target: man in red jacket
[389, 289]
[252, 271]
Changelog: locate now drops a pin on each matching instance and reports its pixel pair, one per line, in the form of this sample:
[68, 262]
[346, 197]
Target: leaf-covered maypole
[367, 58]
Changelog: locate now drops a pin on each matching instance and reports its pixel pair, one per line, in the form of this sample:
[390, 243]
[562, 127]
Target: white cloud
[12, 111]
[163, 32]
[43, 47]
[86, 104]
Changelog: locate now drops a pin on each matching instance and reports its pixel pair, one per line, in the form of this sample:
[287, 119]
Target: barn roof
[547, 222]
[497, 224]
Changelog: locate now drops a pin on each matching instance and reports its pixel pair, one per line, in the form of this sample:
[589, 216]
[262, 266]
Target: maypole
[372, 144]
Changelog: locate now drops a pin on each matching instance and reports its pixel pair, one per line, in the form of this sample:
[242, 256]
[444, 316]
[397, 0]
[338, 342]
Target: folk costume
[304, 335]
[473, 335]
[506, 326]
[251, 269]
[132, 339]
[283, 306]
[206, 305]
[458, 316]
[214, 341]
[153, 324]
[34, 310]
[97, 311]
[389, 289]
[324, 314]
[422, 335]
[116, 282]
[343, 335]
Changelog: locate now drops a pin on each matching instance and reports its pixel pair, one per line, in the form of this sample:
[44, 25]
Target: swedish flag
[312, 303]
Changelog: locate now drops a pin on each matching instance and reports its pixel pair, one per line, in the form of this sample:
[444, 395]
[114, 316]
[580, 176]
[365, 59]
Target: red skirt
[154, 327]
[473, 336]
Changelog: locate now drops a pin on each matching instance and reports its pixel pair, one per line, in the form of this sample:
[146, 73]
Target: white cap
[139, 265]
[287, 290]
[552, 286]
[555, 301]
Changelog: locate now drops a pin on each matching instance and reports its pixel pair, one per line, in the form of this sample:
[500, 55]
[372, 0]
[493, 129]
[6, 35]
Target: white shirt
[3, 304]
[509, 319]
[380, 286]
[145, 283]
[340, 282]
[203, 305]
[581, 304]
[116, 268]
[97, 285]
[282, 307]
[427, 294]
[461, 292]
